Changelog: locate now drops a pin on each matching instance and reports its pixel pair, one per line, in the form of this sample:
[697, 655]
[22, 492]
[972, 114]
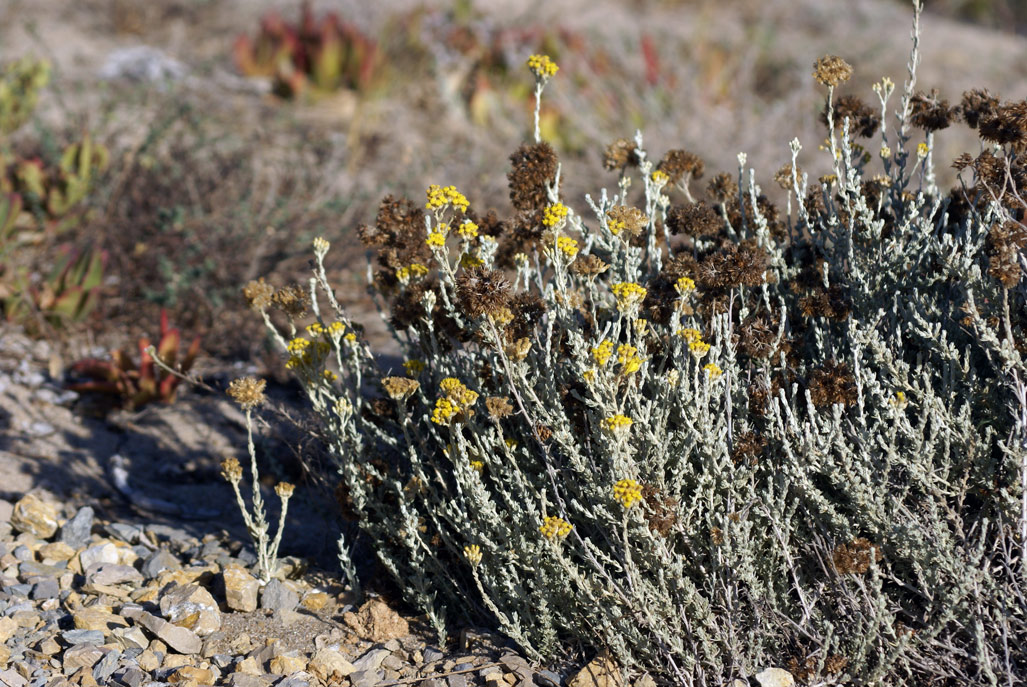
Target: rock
[106, 666]
[328, 662]
[247, 680]
[81, 656]
[75, 637]
[456, 680]
[547, 678]
[148, 661]
[11, 678]
[431, 654]
[56, 552]
[393, 662]
[277, 596]
[130, 534]
[106, 574]
[602, 671]
[46, 588]
[315, 601]
[7, 628]
[287, 665]
[97, 619]
[132, 677]
[365, 678]
[158, 562]
[240, 589]
[377, 622]
[297, 680]
[775, 677]
[199, 676]
[34, 515]
[372, 660]
[181, 639]
[75, 532]
[130, 638]
[192, 607]
[249, 666]
[101, 553]
[49, 647]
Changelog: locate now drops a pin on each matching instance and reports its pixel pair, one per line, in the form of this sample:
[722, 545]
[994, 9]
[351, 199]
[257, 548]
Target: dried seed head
[1006, 125]
[231, 470]
[292, 300]
[831, 70]
[855, 557]
[533, 170]
[676, 164]
[619, 155]
[258, 294]
[631, 221]
[831, 384]
[694, 219]
[783, 177]
[248, 392]
[284, 490]
[482, 291]
[722, 187]
[977, 104]
[863, 120]
[930, 113]
[400, 388]
[498, 406]
[589, 266]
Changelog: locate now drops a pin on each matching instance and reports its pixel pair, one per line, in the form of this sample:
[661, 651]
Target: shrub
[710, 436]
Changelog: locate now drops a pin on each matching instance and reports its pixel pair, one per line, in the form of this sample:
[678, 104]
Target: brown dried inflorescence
[722, 187]
[619, 155]
[589, 265]
[831, 70]
[783, 177]
[833, 383]
[855, 557]
[743, 264]
[679, 164]
[977, 104]
[758, 334]
[660, 512]
[291, 300]
[628, 219]
[1005, 247]
[694, 219]
[748, 445]
[482, 291]
[399, 388]
[259, 294]
[832, 303]
[930, 113]
[863, 120]
[248, 392]
[498, 407]
[527, 308]
[533, 170]
[1005, 125]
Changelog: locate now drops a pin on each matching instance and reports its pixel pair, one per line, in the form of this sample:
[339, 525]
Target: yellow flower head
[555, 528]
[473, 554]
[442, 196]
[602, 353]
[436, 239]
[627, 356]
[330, 376]
[467, 261]
[567, 246]
[455, 390]
[627, 491]
[542, 67]
[684, 285]
[321, 246]
[554, 214]
[690, 335]
[444, 411]
[659, 177]
[414, 367]
[713, 370]
[468, 229]
[298, 345]
[699, 349]
[629, 295]
[616, 424]
[922, 149]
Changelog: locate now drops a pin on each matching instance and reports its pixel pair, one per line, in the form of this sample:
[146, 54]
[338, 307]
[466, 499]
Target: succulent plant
[138, 384]
[68, 294]
[313, 56]
[20, 83]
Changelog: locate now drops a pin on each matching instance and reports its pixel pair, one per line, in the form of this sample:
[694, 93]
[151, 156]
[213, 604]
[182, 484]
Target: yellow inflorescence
[684, 285]
[660, 177]
[922, 149]
[478, 466]
[542, 66]
[555, 528]
[713, 370]
[298, 345]
[321, 246]
[315, 329]
[467, 261]
[628, 295]
[616, 424]
[567, 246]
[330, 376]
[473, 554]
[627, 356]
[457, 398]
[436, 239]
[468, 229]
[414, 367]
[441, 196]
[554, 214]
[444, 411]
[699, 349]
[628, 492]
[690, 335]
[336, 329]
[602, 353]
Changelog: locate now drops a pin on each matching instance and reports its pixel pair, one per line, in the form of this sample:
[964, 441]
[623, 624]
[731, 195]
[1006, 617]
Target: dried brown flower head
[545, 433]
[833, 383]
[863, 120]
[518, 349]
[258, 294]
[832, 303]
[736, 265]
[677, 164]
[498, 406]
[855, 557]
[248, 392]
[284, 490]
[619, 155]
[694, 219]
[630, 220]
[929, 112]
[976, 105]
[292, 300]
[783, 177]
[528, 309]
[1006, 125]
[722, 187]
[533, 169]
[747, 447]
[482, 291]
[831, 70]
[660, 512]
[589, 265]
[399, 388]
[231, 470]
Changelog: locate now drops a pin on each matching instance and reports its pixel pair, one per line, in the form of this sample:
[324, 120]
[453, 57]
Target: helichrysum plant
[712, 436]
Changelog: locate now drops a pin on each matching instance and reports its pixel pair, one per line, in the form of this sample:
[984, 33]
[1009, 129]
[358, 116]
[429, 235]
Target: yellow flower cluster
[684, 285]
[436, 239]
[690, 335]
[713, 370]
[628, 492]
[468, 229]
[922, 149]
[321, 246]
[441, 196]
[699, 349]
[458, 398]
[602, 353]
[414, 367]
[467, 261]
[554, 214]
[415, 270]
[542, 66]
[473, 554]
[567, 246]
[628, 294]
[306, 353]
[555, 528]
[616, 424]
[627, 356]
[899, 400]
[660, 177]
[478, 466]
